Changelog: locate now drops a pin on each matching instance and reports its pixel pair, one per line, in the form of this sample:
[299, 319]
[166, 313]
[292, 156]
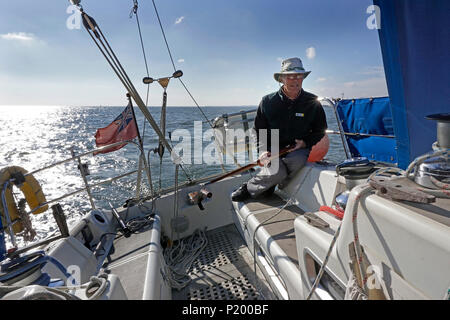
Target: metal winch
[433, 172]
[442, 129]
[355, 171]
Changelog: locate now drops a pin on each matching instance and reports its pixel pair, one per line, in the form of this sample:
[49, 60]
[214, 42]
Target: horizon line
[118, 106]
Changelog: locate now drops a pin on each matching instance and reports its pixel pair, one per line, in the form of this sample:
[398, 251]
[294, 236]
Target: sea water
[33, 137]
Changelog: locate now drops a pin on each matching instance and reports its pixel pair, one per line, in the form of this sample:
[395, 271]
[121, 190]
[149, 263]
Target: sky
[227, 50]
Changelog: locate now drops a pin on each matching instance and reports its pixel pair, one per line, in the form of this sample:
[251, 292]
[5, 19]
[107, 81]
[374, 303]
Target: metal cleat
[316, 221]
[393, 190]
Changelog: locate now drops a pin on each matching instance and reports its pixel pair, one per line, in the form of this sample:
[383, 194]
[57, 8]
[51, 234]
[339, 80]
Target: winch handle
[124, 229]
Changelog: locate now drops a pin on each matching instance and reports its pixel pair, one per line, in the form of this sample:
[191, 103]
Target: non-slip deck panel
[269, 225]
[129, 262]
[263, 203]
[280, 226]
[224, 271]
[239, 288]
[219, 252]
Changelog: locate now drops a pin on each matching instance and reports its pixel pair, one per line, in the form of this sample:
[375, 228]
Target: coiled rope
[358, 291]
[179, 258]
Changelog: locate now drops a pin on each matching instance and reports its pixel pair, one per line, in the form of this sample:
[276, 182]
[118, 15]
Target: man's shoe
[240, 194]
[268, 193]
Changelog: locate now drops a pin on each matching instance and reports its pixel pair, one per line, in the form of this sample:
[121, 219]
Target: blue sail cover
[414, 37]
[369, 117]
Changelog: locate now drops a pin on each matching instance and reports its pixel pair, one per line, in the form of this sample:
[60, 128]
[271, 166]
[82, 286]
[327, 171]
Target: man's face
[292, 83]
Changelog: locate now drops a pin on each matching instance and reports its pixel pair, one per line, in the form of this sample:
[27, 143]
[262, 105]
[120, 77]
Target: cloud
[311, 53]
[280, 59]
[180, 60]
[373, 71]
[321, 79]
[18, 36]
[371, 87]
[179, 20]
[350, 84]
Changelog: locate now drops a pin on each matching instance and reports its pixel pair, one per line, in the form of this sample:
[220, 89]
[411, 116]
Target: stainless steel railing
[225, 121]
[87, 187]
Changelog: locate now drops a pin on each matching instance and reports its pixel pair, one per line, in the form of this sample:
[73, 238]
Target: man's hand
[299, 144]
[263, 159]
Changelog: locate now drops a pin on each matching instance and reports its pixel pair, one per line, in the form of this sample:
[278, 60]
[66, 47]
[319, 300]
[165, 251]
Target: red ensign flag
[122, 128]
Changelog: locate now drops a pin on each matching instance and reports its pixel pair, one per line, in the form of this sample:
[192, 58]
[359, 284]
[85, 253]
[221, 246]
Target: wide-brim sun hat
[291, 66]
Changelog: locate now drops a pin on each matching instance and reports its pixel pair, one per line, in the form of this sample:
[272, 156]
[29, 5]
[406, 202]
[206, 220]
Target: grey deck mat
[224, 271]
[129, 262]
[281, 227]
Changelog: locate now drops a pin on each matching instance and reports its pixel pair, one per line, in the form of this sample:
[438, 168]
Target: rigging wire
[96, 34]
[134, 11]
[175, 69]
[184, 86]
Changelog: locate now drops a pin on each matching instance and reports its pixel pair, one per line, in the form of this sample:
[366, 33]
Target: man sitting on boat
[301, 123]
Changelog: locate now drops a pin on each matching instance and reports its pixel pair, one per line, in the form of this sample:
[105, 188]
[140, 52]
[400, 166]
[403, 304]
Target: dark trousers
[278, 172]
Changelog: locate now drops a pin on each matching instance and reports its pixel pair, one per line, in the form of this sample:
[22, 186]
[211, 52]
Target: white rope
[180, 257]
[100, 283]
[354, 291]
[421, 159]
[28, 233]
[97, 285]
[397, 173]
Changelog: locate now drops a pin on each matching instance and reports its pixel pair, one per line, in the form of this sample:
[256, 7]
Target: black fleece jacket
[302, 118]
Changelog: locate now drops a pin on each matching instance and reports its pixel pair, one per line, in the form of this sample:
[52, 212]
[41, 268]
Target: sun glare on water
[33, 137]
[27, 112]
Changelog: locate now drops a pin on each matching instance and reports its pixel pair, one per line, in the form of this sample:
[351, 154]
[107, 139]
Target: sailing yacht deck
[128, 260]
[223, 270]
[277, 222]
[267, 225]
